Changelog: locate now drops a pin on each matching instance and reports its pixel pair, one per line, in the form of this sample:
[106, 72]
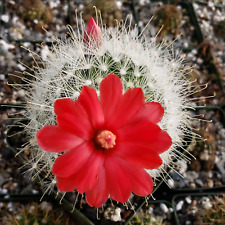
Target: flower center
[106, 139]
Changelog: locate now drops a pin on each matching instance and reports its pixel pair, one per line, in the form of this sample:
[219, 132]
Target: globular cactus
[214, 215]
[39, 214]
[146, 219]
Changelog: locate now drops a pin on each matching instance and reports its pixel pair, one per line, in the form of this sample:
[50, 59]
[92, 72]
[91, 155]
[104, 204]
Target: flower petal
[131, 102]
[151, 111]
[97, 196]
[66, 184]
[89, 100]
[69, 163]
[53, 139]
[141, 181]
[86, 177]
[145, 133]
[141, 184]
[138, 155]
[92, 32]
[72, 117]
[74, 124]
[111, 90]
[64, 105]
[118, 182]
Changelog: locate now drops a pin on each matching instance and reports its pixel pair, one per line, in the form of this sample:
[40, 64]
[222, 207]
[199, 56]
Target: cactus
[145, 219]
[204, 151]
[170, 17]
[108, 8]
[35, 10]
[219, 29]
[214, 215]
[36, 214]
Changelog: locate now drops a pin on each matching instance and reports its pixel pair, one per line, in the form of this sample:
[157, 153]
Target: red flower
[92, 33]
[110, 141]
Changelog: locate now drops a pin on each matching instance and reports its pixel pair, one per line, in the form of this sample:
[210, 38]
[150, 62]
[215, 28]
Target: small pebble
[210, 183]
[7, 196]
[194, 203]
[179, 205]
[191, 175]
[171, 183]
[5, 18]
[194, 51]
[188, 200]
[192, 185]
[35, 191]
[164, 207]
[2, 77]
[206, 203]
[199, 182]
[21, 67]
